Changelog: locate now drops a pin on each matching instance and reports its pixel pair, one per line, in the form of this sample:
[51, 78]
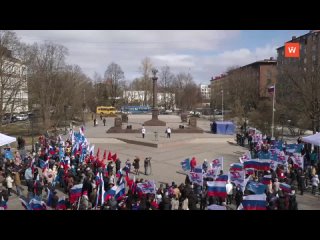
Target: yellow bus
[106, 110]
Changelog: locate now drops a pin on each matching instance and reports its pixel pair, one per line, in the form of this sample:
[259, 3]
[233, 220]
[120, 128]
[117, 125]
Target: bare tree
[12, 74]
[46, 67]
[113, 76]
[298, 90]
[187, 93]
[145, 69]
[165, 85]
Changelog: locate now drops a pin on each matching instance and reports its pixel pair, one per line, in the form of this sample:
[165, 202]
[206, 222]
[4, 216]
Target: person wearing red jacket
[193, 163]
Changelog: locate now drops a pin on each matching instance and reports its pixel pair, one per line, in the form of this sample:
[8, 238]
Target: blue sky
[202, 53]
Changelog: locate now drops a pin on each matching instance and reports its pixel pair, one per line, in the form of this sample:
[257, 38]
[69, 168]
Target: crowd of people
[59, 165]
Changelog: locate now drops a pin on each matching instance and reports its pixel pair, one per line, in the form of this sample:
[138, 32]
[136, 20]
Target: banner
[147, 187]
[218, 162]
[216, 207]
[255, 202]
[212, 172]
[237, 177]
[298, 161]
[196, 177]
[245, 157]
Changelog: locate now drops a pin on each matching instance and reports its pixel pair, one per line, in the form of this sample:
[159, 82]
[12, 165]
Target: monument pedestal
[154, 120]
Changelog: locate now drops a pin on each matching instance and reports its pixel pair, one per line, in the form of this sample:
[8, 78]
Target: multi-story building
[260, 75]
[309, 51]
[137, 97]
[205, 91]
[13, 84]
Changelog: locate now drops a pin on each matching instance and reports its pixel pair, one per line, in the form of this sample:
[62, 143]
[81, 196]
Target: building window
[305, 60]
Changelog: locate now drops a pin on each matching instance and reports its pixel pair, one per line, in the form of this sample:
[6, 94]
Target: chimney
[293, 37]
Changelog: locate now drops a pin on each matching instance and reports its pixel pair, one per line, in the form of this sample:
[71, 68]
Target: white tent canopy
[313, 139]
[4, 139]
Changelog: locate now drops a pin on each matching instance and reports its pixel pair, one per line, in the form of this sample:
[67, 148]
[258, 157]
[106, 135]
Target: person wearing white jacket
[229, 188]
[9, 181]
[315, 183]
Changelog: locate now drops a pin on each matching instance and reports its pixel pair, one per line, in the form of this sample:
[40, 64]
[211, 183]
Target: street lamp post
[222, 103]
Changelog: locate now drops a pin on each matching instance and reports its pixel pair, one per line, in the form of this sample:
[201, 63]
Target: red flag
[109, 156]
[98, 153]
[104, 155]
[114, 157]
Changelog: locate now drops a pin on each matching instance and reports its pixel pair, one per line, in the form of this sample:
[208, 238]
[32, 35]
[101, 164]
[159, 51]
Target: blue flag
[256, 187]
[8, 154]
[263, 155]
[185, 164]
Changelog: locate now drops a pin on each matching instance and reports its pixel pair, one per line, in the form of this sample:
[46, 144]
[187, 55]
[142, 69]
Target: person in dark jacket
[54, 200]
[238, 196]
[192, 201]
[147, 165]
[301, 181]
[118, 165]
[87, 186]
[165, 204]
[136, 165]
[293, 205]
[281, 201]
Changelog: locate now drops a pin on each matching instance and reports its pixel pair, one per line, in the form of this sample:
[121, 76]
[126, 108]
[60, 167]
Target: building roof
[261, 62]
[295, 39]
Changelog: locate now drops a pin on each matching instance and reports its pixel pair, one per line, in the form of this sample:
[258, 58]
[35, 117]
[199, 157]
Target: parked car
[195, 113]
[217, 112]
[22, 117]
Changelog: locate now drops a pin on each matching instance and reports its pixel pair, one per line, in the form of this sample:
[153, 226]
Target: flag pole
[272, 126]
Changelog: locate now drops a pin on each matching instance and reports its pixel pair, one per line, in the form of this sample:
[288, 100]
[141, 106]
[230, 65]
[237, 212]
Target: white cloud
[199, 52]
[219, 63]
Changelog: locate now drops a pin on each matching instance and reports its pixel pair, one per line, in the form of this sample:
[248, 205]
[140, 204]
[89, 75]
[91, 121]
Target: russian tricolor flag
[262, 165]
[250, 171]
[110, 193]
[217, 189]
[222, 178]
[266, 179]
[37, 205]
[121, 190]
[235, 167]
[75, 193]
[285, 187]
[255, 202]
[61, 204]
